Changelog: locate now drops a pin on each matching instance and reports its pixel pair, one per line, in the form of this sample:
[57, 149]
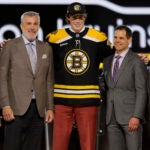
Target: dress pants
[86, 120]
[25, 132]
[119, 138]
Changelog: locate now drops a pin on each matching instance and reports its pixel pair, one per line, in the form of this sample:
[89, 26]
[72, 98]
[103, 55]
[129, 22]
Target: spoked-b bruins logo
[76, 62]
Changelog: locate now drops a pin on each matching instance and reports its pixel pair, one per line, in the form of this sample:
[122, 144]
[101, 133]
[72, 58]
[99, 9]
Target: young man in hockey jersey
[78, 51]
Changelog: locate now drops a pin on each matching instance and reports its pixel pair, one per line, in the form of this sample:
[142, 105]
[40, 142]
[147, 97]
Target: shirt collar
[27, 42]
[123, 54]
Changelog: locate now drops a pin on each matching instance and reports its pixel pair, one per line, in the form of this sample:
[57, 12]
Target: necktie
[32, 56]
[116, 68]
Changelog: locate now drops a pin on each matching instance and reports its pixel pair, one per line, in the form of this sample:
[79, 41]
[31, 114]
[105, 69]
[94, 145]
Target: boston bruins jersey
[76, 60]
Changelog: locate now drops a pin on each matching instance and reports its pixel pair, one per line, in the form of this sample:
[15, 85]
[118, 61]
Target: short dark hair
[129, 33]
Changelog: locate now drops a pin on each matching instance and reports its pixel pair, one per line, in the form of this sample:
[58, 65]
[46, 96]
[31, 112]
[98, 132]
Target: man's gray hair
[30, 13]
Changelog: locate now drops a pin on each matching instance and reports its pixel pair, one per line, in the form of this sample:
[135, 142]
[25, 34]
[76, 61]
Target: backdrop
[103, 15]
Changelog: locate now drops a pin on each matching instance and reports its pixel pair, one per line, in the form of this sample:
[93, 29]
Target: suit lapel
[39, 55]
[124, 64]
[21, 47]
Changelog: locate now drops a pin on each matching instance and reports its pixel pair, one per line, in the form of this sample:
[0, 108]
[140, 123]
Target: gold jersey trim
[95, 35]
[77, 96]
[58, 36]
[60, 86]
[77, 91]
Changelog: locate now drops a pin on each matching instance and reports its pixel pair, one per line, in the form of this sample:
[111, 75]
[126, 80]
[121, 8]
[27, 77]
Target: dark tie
[32, 56]
[116, 68]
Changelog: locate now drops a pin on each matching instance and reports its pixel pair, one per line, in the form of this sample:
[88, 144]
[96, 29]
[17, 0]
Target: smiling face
[30, 26]
[121, 42]
[77, 22]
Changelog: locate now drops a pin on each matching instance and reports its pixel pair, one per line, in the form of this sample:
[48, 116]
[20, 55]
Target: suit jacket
[128, 95]
[148, 102]
[17, 80]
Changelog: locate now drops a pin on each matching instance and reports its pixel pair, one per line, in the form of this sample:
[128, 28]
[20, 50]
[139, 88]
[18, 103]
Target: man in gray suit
[126, 78]
[26, 89]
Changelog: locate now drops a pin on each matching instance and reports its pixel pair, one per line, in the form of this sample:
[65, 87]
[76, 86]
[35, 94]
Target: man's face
[121, 42]
[77, 22]
[29, 27]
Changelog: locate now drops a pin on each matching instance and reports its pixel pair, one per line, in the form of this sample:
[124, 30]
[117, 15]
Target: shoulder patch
[95, 35]
[57, 36]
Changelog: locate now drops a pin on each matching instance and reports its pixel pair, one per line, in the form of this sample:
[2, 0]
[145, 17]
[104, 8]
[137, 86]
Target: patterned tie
[116, 68]
[32, 56]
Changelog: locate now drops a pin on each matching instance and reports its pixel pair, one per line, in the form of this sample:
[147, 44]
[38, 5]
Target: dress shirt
[123, 54]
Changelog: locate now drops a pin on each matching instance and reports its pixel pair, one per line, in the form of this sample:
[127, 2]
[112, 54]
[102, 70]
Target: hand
[8, 114]
[144, 57]
[4, 42]
[49, 116]
[133, 124]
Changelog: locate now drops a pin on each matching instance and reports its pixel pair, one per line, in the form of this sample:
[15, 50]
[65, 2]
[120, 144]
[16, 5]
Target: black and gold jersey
[76, 60]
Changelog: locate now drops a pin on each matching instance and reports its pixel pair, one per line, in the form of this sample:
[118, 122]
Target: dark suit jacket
[128, 95]
[17, 80]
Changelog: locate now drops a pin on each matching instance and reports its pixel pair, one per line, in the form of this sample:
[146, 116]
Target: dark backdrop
[102, 16]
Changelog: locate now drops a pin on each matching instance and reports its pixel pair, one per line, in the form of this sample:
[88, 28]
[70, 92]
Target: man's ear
[130, 40]
[20, 26]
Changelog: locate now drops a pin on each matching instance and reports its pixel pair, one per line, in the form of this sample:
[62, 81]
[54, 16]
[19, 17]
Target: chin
[31, 38]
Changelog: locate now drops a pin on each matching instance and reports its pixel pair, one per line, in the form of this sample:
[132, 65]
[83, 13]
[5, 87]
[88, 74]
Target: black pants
[25, 132]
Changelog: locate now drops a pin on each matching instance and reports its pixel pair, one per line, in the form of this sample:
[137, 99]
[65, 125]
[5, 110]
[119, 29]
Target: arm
[102, 85]
[2, 44]
[140, 77]
[144, 58]
[7, 112]
[50, 83]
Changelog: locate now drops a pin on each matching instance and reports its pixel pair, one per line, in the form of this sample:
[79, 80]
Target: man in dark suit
[26, 89]
[126, 78]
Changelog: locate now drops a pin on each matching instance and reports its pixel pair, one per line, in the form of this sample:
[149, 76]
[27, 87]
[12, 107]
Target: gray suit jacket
[129, 93]
[148, 103]
[17, 80]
